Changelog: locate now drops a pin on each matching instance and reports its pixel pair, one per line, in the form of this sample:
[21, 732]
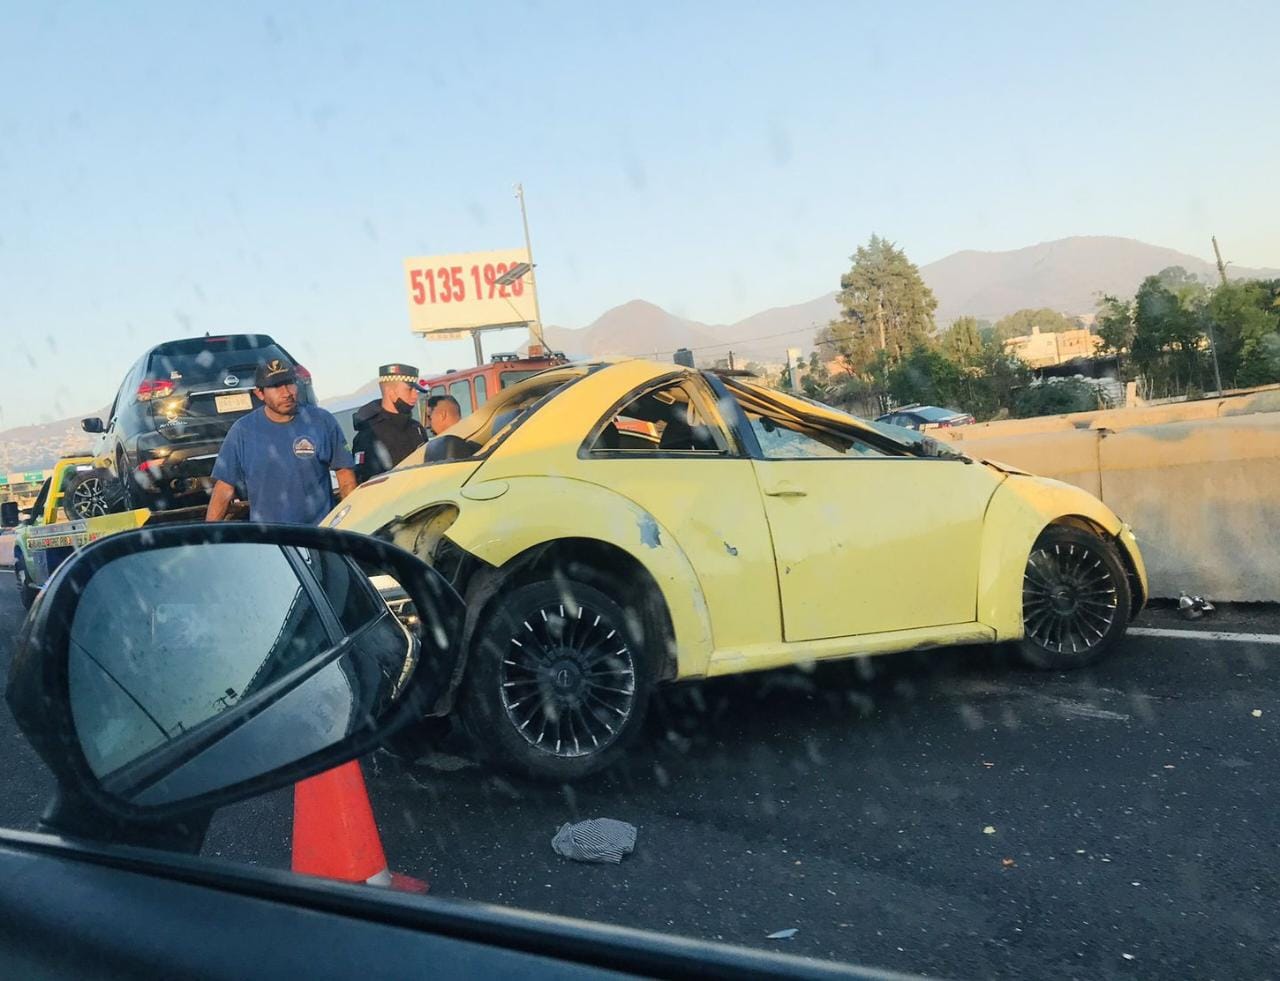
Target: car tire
[1075, 599]
[90, 494]
[547, 695]
[129, 490]
[26, 592]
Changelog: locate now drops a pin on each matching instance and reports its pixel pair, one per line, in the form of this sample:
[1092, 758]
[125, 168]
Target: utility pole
[731, 361]
[1222, 266]
[536, 326]
[1213, 341]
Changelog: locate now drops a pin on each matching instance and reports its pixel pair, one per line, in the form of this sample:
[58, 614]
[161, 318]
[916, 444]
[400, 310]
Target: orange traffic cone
[334, 834]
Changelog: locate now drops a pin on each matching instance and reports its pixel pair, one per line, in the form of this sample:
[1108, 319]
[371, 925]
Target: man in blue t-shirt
[280, 455]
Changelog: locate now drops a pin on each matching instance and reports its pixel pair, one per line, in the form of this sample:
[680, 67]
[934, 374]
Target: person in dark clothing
[387, 429]
[445, 411]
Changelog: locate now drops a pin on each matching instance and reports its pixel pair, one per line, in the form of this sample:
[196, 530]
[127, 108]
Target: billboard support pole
[475, 337]
[533, 282]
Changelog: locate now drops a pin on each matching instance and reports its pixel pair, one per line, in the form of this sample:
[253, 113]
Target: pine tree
[886, 307]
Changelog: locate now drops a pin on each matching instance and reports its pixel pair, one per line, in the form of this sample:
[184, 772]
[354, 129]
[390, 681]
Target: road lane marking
[1204, 635]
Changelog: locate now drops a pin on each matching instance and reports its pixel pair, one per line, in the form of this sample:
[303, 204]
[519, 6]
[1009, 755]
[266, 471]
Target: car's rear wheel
[90, 494]
[558, 680]
[130, 492]
[1075, 599]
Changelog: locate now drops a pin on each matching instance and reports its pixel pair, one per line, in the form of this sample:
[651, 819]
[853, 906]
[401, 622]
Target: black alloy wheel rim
[567, 680]
[89, 498]
[1069, 598]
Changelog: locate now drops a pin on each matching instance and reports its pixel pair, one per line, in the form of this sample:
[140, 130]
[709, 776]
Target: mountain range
[1067, 275]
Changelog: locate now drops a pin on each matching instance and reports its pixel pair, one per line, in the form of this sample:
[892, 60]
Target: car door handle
[784, 488]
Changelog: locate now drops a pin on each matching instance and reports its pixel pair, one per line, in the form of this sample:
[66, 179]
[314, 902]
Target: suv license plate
[239, 402]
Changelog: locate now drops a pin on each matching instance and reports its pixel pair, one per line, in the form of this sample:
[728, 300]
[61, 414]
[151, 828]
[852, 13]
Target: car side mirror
[9, 514]
[26, 516]
[163, 673]
[92, 425]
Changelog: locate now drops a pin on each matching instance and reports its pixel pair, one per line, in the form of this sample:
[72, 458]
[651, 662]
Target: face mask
[403, 407]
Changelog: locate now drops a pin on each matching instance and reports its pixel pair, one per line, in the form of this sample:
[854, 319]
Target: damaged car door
[868, 538]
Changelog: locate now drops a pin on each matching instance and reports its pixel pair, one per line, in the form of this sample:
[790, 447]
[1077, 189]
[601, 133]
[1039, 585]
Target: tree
[1244, 316]
[1114, 324]
[962, 344]
[927, 376]
[1019, 324]
[886, 307]
[982, 389]
[1168, 337]
[816, 382]
[1055, 397]
[1177, 279]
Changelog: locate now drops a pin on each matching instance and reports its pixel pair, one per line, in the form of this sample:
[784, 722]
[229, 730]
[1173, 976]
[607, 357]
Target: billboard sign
[452, 294]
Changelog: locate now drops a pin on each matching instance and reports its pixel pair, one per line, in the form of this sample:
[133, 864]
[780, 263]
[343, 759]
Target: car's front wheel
[558, 680]
[26, 591]
[1075, 599]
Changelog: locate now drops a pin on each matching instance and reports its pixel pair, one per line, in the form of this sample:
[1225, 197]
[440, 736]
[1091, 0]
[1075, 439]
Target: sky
[171, 169]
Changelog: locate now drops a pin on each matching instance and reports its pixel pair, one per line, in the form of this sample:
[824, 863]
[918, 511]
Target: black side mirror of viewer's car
[9, 514]
[164, 673]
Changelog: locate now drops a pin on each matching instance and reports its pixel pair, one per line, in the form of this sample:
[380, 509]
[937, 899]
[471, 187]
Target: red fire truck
[473, 386]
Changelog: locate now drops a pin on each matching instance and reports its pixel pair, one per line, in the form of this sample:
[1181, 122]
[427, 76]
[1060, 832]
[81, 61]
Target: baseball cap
[274, 372]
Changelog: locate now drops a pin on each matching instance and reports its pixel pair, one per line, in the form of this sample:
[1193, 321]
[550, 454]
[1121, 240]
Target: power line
[727, 344]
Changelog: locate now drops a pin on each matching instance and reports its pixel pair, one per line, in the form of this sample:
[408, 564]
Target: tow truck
[47, 535]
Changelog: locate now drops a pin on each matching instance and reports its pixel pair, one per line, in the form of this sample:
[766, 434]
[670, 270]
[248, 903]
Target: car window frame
[892, 449]
[496, 439]
[706, 404]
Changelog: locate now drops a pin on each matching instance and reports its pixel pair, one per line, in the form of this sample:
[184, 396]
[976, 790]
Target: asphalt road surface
[947, 813]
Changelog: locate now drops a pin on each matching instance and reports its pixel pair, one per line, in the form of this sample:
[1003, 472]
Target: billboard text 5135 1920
[453, 293]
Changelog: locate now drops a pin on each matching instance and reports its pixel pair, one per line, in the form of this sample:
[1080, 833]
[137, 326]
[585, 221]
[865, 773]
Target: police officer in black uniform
[387, 429]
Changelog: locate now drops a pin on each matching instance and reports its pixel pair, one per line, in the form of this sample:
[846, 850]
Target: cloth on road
[597, 840]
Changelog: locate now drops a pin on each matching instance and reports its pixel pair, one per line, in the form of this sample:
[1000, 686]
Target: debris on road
[787, 934]
[1007, 863]
[597, 840]
[1256, 713]
[1194, 607]
[988, 830]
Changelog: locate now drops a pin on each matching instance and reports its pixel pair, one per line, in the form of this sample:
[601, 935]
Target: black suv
[168, 421]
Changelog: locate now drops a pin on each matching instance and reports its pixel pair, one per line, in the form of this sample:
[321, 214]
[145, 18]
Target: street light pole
[536, 326]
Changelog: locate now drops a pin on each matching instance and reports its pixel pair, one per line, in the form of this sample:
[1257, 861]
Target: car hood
[1006, 468]
[400, 493]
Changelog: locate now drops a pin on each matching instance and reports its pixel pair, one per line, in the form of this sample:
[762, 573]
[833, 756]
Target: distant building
[1039, 350]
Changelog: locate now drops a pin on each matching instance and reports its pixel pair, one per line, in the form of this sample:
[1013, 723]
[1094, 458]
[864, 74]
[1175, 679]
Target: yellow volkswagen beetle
[614, 526]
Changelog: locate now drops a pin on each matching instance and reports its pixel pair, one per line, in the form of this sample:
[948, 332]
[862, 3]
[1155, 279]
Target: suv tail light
[149, 390]
[303, 376]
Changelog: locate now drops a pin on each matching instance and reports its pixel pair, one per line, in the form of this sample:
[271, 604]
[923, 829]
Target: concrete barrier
[1203, 498]
[1244, 402]
[1198, 482]
[1070, 455]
